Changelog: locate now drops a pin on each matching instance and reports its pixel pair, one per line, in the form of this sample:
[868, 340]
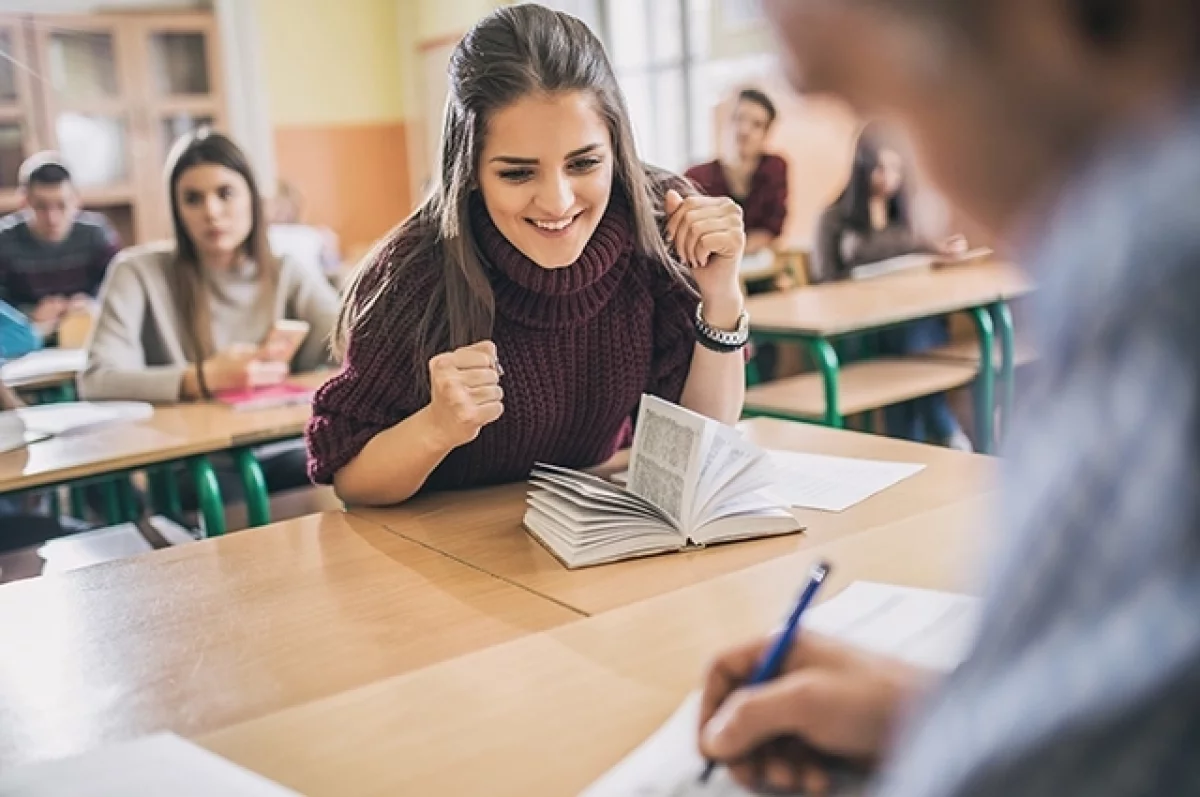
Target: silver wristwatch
[720, 339]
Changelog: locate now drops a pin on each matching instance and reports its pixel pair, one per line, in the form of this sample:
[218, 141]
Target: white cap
[36, 161]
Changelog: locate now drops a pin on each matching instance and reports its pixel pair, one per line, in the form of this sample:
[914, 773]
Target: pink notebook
[265, 398]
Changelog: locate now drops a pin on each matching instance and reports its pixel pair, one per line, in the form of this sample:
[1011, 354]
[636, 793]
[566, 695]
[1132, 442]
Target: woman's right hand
[240, 367]
[834, 699]
[465, 392]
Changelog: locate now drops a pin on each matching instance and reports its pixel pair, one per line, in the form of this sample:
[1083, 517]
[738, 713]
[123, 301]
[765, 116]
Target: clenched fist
[465, 392]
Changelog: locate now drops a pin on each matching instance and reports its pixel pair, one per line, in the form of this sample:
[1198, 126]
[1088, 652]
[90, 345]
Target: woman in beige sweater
[183, 320]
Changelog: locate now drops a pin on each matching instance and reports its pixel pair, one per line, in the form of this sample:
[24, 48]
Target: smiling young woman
[548, 247]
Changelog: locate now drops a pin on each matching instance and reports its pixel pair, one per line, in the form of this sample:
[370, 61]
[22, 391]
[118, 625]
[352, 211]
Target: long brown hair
[206, 148]
[513, 52]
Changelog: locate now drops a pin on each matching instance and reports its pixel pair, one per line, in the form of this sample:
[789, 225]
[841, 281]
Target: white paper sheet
[79, 416]
[43, 363]
[832, 484]
[152, 766]
[107, 545]
[930, 629]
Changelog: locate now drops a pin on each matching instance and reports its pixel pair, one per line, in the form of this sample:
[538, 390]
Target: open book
[692, 482]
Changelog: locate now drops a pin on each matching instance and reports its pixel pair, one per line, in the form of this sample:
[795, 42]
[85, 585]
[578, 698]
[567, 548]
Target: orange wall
[354, 178]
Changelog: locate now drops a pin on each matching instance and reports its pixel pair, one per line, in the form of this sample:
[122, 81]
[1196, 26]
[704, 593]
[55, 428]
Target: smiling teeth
[554, 225]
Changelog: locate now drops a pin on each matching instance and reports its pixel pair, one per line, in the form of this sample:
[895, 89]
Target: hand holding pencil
[829, 706]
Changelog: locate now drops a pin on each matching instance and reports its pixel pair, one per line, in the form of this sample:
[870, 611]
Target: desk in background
[819, 314]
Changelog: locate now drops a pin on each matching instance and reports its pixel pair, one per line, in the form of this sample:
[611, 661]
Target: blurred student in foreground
[53, 254]
[1072, 129]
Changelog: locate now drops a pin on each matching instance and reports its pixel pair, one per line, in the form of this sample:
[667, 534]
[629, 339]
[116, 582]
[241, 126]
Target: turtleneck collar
[543, 297]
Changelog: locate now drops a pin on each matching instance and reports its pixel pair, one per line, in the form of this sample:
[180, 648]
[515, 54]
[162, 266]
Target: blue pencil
[770, 665]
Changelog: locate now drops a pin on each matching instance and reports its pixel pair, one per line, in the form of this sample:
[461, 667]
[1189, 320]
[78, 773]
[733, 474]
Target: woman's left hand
[709, 236]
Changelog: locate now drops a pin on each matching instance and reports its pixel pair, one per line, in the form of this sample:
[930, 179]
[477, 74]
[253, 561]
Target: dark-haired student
[53, 254]
[871, 222]
[752, 177]
[550, 280]
[185, 320]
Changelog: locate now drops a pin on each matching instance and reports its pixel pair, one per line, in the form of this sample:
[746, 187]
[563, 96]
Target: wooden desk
[178, 432]
[549, 713]
[483, 528]
[46, 369]
[201, 636]
[816, 314]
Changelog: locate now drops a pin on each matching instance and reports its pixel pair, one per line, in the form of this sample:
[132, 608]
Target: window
[663, 56]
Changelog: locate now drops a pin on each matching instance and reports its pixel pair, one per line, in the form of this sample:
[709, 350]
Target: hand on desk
[830, 698]
[240, 367]
[465, 392]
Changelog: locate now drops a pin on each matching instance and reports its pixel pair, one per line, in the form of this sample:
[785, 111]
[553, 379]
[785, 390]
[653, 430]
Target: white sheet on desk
[833, 484]
[43, 363]
[78, 416]
[107, 545]
[152, 766]
[930, 629]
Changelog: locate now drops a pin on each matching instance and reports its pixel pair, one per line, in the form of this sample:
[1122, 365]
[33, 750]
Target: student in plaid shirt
[1071, 128]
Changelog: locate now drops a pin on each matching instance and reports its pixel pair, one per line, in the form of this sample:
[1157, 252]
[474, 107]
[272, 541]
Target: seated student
[754, 178]
[53, 255]
[868, 223]
[549, 281]
[289, 235]
[18, 336]
[181, 322]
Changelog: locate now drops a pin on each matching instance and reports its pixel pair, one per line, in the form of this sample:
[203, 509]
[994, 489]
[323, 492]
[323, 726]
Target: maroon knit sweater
[579, 346]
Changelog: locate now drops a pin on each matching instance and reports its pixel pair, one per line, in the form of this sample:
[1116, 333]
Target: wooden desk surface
[174, 432]
[169, 435]
[839, 308]
[547, 714]
[202, 636]
[483, 528]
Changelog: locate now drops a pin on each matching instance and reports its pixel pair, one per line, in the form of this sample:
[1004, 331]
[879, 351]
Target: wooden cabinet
[114, 92]
[20, 134]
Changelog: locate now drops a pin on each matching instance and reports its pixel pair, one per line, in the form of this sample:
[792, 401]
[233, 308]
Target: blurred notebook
[692, 482]
[266, 398]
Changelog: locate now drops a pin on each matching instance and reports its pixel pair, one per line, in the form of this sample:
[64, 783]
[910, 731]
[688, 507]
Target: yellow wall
[441, 18]
[333, 61]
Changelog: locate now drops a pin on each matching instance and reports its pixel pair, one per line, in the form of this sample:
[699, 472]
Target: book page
[832, 484]
[931, 629]
[148, 767]
[664, 466]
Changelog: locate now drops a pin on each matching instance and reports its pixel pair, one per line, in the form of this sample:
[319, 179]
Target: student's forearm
[716, 382]
[758, 240]
[395, 463]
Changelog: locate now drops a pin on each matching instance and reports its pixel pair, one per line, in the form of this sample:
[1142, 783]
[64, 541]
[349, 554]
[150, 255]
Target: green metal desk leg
[827, 360]
[1002, 315]
[208, 493]
[985, 383]
[753, 377]
[78, 505]
[112, 502]
[258, 503]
